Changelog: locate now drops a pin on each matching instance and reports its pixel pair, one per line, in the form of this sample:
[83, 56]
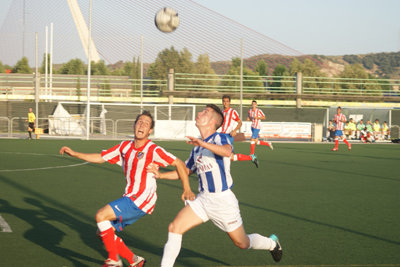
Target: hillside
[382, 65]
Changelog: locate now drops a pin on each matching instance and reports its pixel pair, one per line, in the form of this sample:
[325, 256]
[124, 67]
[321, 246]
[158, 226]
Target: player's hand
[153, 168]
[188, 195]
[194, 141]
[67, 151]
[233, 133]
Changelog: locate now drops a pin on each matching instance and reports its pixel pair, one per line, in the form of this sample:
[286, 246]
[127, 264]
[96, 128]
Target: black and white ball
[167, 19]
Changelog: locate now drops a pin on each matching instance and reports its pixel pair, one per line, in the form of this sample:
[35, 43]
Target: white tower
[83, 31]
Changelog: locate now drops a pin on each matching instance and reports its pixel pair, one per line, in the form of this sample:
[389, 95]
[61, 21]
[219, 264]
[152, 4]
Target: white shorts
[221, 208]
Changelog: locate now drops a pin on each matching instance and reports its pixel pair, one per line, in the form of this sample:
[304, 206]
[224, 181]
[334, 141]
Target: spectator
[385, 131]
[367, 136]
[353, 128]
[360, 127]
[377, 129]
[369, 126]
[347, 130]
[331, 131]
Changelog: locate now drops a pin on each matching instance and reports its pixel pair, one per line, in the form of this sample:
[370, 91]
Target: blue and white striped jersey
[214, 171]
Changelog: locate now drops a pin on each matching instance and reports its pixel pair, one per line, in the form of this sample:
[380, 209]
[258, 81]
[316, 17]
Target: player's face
[30, 109]
[204, 117]
[339, 111]
[254, 105]
[143, 127]
[226, 103]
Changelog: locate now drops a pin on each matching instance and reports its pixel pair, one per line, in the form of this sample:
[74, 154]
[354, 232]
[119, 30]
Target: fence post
[299, 83]
[171, 85]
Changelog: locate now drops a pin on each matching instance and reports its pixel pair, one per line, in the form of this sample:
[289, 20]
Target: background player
[140, 192]
[231, 118]
[210, 159]
[340, 120]
[255, 116]
[31, 122]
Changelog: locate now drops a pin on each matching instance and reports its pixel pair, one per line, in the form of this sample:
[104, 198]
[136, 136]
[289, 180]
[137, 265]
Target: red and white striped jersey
[340, 120]
[140, 185]
[230, 115]
[253, 114]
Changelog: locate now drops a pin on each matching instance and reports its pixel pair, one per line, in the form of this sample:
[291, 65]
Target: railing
[124, 89]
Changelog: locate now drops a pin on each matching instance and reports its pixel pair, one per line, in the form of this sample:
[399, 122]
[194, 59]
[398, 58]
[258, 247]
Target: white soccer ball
[166, 19]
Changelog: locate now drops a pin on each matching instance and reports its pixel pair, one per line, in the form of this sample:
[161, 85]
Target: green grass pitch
[328, 208]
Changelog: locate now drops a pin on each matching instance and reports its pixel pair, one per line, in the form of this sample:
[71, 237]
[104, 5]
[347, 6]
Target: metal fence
[124, 89]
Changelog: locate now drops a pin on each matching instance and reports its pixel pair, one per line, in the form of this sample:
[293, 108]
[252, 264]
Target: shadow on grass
[46, 235]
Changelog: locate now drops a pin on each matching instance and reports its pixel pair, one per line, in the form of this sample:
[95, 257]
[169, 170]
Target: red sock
[108, 238]
[263, 143]
[241, 157]
[123, 250]
[252, 148]
[336, 143]
[347, 143]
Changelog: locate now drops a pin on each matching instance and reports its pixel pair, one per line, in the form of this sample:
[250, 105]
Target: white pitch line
[4, 226]
[45, 168]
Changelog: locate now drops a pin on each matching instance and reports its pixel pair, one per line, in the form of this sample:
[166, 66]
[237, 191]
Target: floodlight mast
[88, 72]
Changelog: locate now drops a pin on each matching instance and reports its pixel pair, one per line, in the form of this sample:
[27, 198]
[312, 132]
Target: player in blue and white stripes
[210, 159]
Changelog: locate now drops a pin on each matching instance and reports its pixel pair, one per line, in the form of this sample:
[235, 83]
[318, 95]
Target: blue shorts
[126, 211]
[338, 133]
[254, 133]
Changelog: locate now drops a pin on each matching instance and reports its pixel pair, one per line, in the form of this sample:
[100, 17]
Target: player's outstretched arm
[183, 173]
[220, 150]
[89, 157]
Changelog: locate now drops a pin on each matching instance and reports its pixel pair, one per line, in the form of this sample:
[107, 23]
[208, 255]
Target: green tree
[43, 66]
[251, 81]
[99, 68]
[22, 66]
[74, 66]
[2, 67]
[354, 80]
[262, 68]
[202, 66]
[166, 59]
[279, 83]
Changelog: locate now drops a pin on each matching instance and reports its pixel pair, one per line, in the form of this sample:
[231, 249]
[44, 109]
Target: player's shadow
[131, 242]
[45, 234]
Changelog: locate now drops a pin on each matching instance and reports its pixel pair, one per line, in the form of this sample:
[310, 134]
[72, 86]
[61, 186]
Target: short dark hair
[254, 101]
[219, 112]
[226, 96]
[148, 114]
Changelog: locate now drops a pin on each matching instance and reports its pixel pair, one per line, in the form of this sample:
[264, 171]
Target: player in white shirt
[140, 195]
[231, 125]
[210, 159]
[255, 116]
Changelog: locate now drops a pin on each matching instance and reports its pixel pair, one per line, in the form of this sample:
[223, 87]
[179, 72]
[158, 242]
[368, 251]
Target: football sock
[241, 157]
[336, 143]
[108, 237]
[345, 141]
[258, 241]
[263, 143]
[123, 250]
[252, 147]
[171, 249]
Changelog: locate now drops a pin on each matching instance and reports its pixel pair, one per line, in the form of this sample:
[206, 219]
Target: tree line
[256, 77]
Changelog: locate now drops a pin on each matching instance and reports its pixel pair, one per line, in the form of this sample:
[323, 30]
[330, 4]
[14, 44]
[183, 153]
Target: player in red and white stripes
[340, 120]
[232, 124]
[255, 116]
[140, 194]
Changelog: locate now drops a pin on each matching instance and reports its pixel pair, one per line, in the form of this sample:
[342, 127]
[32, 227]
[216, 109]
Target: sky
[324, 27]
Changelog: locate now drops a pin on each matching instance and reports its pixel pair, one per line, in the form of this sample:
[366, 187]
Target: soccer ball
[166, 20]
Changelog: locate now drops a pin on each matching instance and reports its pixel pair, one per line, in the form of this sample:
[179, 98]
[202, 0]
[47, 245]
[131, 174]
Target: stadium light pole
[141, 73]
[37, 77]
[241, 78]
[88, 74]
[51, 61]
[46, 64]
